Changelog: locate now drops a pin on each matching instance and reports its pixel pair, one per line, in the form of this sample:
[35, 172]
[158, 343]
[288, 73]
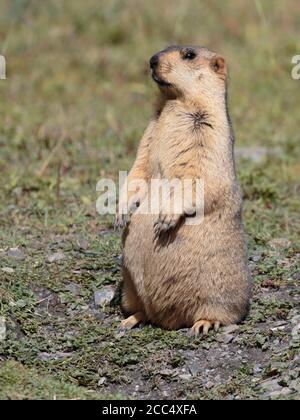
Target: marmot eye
[189, 55]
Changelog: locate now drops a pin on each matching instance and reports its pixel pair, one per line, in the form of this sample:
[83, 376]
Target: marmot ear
[218, 65]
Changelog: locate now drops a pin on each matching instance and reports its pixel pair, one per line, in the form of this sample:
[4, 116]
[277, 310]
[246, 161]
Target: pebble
[295, 319]
[74, 288]
[57, 256]
[194, 368]
[53, 356]
[256, 154]
[2, 329]
[101, 381]
[16, 253]
[209, 385]
[257, 369]
[166, 372]
[230, 329]
[296, 332]
[84, 244]
[8, 270]
[104, 296]
[186, 377]
[279, 393]
[256, 257]
[120, 334]
[295, 385]
[225, 338]
[280, 243]
[271, 386]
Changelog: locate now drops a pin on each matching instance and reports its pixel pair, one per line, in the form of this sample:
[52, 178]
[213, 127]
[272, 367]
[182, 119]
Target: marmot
[178, 275]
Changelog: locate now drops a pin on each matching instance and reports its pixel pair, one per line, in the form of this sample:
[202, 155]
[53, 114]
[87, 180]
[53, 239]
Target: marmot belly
[188, 274]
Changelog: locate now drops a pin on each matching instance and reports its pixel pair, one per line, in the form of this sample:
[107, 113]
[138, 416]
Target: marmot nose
[154, 61]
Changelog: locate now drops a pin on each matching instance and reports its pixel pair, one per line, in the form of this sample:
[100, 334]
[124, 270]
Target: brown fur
[177, 275]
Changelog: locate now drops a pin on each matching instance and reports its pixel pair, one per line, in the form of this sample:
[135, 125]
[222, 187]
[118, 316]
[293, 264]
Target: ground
[75, 102]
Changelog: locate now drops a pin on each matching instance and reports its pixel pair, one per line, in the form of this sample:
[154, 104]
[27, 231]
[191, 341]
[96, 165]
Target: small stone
[209, 385]
[84, 245]
[2, 329]
[295, 319]
[280, 243]
[256, 256]
[104, 296]
[101, 381]
[53, 356]
[17, 191]
[256, 154]
[271, 386]
[166, 372]
[296, 276]
[186, 377]
[74, 288]
[8, 270]
[11, 207]
[16, 253]
[225, 338]
[194, 368]
[230, 329]
[280, 393]
[286, 391]
[296, 332]
[257, 369]
[295, 385]
[120, 334]
[57, 256]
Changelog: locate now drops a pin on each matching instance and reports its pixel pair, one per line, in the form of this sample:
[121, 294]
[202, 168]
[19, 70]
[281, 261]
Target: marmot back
[178, 273]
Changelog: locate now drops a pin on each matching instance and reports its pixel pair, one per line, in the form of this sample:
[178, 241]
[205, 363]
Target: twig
[266, 29]
[42, 300]
[261, 12]
[58, 181]
[50, 157]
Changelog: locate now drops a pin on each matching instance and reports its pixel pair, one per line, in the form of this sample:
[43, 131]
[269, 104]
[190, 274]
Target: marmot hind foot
[205, 326]
[133, 320]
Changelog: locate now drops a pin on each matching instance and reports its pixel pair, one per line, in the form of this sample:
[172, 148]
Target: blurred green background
[77, 72]
[74, 105]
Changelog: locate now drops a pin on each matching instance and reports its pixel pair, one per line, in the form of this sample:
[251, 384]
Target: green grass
[18, 382]
[73, 107]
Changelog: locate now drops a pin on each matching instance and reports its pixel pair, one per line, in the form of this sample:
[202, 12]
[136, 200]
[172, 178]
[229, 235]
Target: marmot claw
[122, 218]
[121, 221]
[165, 222]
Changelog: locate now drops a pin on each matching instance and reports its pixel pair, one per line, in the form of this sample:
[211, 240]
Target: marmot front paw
[121, 221]
[165, 222]
[124, 213]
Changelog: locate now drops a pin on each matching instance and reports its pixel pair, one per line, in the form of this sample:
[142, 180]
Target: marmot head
[189, 72]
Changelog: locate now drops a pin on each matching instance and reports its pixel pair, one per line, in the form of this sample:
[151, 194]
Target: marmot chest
[171, 147]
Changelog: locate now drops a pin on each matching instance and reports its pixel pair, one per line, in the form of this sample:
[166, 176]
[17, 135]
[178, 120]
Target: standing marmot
[178, 275]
